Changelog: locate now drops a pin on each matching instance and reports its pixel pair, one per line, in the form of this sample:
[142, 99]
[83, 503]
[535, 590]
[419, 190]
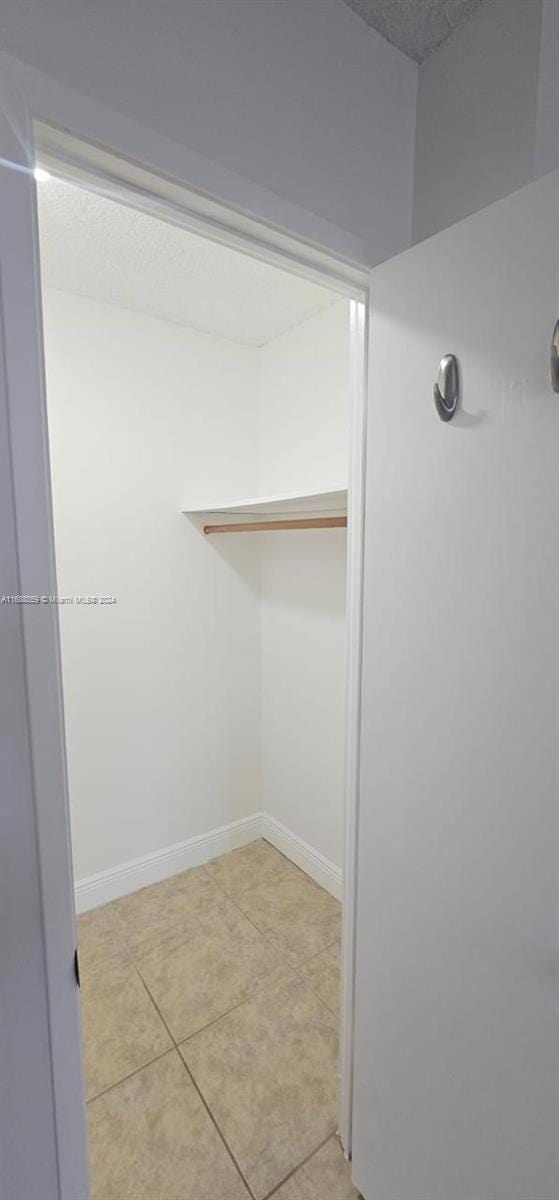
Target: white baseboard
[315, 864]
[152, 868]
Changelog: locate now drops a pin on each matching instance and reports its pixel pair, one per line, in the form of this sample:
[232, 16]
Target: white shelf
[331, 502]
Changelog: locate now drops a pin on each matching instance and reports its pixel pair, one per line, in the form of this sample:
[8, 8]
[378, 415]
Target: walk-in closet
[198, 402]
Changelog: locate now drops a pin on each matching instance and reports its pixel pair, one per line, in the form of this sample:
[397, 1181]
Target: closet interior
[198, 405]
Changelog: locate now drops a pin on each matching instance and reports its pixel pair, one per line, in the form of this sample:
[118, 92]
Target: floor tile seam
[304, 961]
[175, 1047]
[130, 1075]
[294, 968]
[175, 1044]
[299, 1166]
[236, 904]
[156, 1006]
[215, 1123]
[240, 1003]
[180, 1041]
[174, 1050]
[332, 1011]
[284, 957]
[177, 1041]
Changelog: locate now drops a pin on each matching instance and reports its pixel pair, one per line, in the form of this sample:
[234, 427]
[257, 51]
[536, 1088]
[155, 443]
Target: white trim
[315, 864]
[195, 851]
[354, 610]
[43, 1103]
[132, 183]
[152, 868]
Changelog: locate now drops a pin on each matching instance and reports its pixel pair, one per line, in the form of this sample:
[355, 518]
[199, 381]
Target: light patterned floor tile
[326, 1176]
[256, 864]
[322, 973]
[151, 1138]
[148, 916]
[267, 1070]
[99, 937]
[294, 913]
[122, 1029]
[221, 962]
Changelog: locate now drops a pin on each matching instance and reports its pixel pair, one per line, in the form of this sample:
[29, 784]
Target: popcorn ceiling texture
[94, 247]
[416, 27]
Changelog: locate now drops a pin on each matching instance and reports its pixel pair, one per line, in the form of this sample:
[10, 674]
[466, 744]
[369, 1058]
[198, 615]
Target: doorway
[193, 388]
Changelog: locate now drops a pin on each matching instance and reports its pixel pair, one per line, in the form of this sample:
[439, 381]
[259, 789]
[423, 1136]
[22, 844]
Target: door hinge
[77, 967]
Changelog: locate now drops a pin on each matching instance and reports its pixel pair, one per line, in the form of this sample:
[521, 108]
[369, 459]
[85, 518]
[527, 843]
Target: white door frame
[123, 177]
[129, 183]
[43, 1148]
[354, 637]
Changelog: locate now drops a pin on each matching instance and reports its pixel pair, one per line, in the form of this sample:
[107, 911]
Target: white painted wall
[304, 382]
[302, 101]
[161, 690]
[214, 688]
[487, 112]
[303, 683]
[304, 405]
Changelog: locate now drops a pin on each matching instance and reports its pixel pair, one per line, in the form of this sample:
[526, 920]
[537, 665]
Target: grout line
[214, 1122]
[156, 1006]
[236, 905]
[332, 1012]
[136, 1071]
[295, 968]
[304, 961]
[175, 1045]
[303, 1163]
[246, 1000]
[195, 1085]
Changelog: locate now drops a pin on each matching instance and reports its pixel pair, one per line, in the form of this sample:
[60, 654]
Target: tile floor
[210, 1007]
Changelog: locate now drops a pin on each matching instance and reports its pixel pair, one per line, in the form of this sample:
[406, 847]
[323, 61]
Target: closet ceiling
[95, 247]
[416, 27]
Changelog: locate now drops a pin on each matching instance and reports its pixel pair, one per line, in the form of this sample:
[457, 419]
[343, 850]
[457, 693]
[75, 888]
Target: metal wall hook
[447, 387]
[554, 358]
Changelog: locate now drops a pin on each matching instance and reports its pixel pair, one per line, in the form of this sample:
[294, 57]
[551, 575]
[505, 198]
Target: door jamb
[130, 183]
[354, 639]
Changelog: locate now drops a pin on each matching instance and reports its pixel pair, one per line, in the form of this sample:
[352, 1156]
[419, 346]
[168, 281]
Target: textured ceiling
[95, 247]
[416, 27]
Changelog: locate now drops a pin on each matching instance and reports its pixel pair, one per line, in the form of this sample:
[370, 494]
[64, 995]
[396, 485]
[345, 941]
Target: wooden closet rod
[287, 523]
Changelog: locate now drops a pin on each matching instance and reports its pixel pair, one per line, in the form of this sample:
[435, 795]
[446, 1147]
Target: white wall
[304, 383]
[483, 107]
[161, 690]
[304, 404]
[301, 99]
